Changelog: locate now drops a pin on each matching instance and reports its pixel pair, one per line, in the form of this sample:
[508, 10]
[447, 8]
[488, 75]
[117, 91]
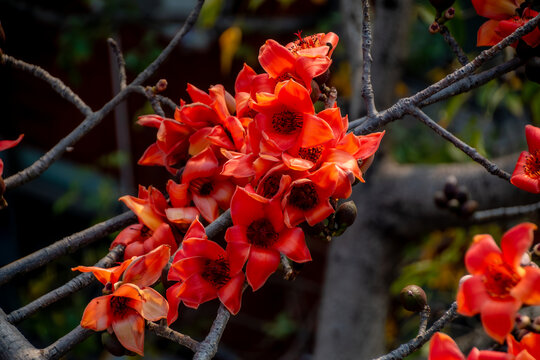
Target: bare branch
[168, 333]
[424, 317]
[415, 344]
[61, 346]
[55, 82]
[121, 64]
[208, 348]
[219, 225]
[469, 150]
[67, 245]
[68, 288]
[505, 212]
[458, 51]
[367, 88]
[13, 344]
[165, 100]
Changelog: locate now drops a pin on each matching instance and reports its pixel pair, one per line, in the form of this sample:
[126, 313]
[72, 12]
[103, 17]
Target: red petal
[245, 208]
[532, 134]
[173, 299]
[238, 253]
[472, 295]
[244, 79]
[184, 268]
[202, 247]
[521, 179]
[196, 230]
[196, 290]
[152, 156]
[294, 96]
[179, 194]
[482, 251]
[150, 121]
[143, 210]
[154, 306]
[202, 165]
[498, 317]
[8, 144]
[292, 243]
[442, 347]
[486, 34]
[130, 331]
[515, 242]
[275, 59]
[231, 293]
[97, 315]
[496, 9]
[315, 131]
[197, 95]
[146, 270]
[207, 206]
[261, 264]
[528, 289]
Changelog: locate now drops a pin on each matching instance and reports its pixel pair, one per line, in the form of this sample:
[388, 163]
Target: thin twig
[68, 288]
[168, 333]
[63, 345]
[208, 348]
[367, 88]
[287, 269]
[154, 102]
[505, 212]
[469, 150]
[54, 82]
[413, 345]
[403, 106]
[458, 51]
[121, 64]
[165, 100]
[92, 119]
[67, 245]
[424, 317]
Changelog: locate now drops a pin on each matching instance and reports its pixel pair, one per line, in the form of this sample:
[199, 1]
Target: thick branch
[67, 245]
[415, 344]
[208, 348]
[13, 344]
[68, 288]
[367, 88]
[63, 345]
[469, 150]
[168, 333]
[55, 83]
[505, 212]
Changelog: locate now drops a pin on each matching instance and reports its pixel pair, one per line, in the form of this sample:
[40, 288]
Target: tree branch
[68, 288]
[121, 64]
[458, 51]
[13, 344]
[469, 150]
[367, 88]
[54, 82]
[505, 212]
[168, 333]
[61, 346]
[415, 344]
[67, 245]
[208, 348]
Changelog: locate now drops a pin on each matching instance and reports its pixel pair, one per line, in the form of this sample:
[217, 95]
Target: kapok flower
[124, 312]
[526, 175]
[506, 16]
[259, 235]
[442, 347]
[204, 271]
[149, 206]
[529, 343]
[499, 284]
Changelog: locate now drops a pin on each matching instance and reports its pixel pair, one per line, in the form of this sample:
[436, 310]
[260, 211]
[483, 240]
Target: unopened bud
[469, 207]
[462, 194]
[454, 205]
[161, 85]
[413, 298]
[450, 13]
[525, 259]
[440, 5]
[346, 214]
[107, 289]
[451, 187]
[440, 199]
[536, 249]
[111, 343]
[522, 321]
[434, 27]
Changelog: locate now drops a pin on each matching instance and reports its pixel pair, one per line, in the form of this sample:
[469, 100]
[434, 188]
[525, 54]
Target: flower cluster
[267, 155]
[502, 280]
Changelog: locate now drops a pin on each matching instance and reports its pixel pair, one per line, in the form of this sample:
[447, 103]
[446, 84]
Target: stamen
[312, 153]
[500, 280]
[216, 272]
[202, 186]
[532, 165]
[304, 196]
[119, 305]
[270, 186]
[261, 233]
[287, 122]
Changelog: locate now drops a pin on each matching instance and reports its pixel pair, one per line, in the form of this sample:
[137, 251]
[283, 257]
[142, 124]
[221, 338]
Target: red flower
[442, 347]
[8, 144]
[124, 313]
[204, 271]
[181, 214]
[526, 175]
[259, 236]
[506, 16]
[149, 206]
[287, 117]
[499, 284]
[529, 343]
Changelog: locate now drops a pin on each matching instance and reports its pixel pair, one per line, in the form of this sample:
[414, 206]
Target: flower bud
[346, 214]
[536, 249]
[469, 207]
[451, 187]
[450, 13]
[441, 5]
[107, 289]
[111, 344]
[454, 205]
[440, 199]
[525, 259]
[462, 194]
[522, 321]
[434, 27]
[161, 85]
[413, 298]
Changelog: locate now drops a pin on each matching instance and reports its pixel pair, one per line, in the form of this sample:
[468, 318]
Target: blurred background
[280, 321]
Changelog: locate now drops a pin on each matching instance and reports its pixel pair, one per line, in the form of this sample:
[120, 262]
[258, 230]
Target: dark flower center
[216, 272]
[312, 153]
[286, 122]
[261, 233]
[270, 186]
[304, 196]
[501, 278]
[119, 305]
[202, 187]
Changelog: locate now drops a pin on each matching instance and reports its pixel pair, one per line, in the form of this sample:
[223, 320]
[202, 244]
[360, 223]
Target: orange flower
[124, 313]
[442, 347]
[526, 175]
[499, 285]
